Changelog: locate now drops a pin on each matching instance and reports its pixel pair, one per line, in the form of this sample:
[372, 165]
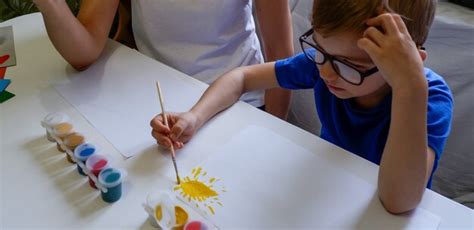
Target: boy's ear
[423, 54]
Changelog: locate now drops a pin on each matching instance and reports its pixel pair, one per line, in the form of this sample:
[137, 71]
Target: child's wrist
[413, 89]
[414, 82]
[198, 118]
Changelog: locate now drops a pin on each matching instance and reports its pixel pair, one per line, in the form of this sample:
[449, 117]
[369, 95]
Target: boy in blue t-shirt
[374, 98]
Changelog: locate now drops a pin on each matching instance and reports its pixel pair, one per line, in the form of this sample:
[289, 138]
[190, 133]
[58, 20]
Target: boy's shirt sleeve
[440, 107]
[297, 72]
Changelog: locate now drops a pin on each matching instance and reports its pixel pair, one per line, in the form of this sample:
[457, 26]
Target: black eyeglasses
[346, 70]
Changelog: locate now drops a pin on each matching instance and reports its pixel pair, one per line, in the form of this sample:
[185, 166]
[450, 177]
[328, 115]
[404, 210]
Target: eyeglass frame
[326, 57]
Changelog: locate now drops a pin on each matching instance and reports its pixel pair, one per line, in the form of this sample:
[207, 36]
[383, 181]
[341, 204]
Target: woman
[203, 39]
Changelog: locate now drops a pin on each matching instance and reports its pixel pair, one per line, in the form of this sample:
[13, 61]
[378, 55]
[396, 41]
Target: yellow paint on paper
[193, 188]
[211, 209]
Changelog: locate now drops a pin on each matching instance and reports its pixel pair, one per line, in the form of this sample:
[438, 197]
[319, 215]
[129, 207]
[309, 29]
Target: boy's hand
[182, 128]
[393, 51]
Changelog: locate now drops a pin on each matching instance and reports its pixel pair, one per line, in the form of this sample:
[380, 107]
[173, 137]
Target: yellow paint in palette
[196, 189]
[180, 214]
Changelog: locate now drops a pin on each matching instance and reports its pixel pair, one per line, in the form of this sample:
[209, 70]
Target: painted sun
[201, 190]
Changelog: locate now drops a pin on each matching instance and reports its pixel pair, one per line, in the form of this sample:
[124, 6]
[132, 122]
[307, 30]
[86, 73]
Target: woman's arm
[274, 19]
[79, 40]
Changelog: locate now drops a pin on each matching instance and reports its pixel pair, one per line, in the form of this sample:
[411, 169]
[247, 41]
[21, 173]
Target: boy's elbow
[397, 204]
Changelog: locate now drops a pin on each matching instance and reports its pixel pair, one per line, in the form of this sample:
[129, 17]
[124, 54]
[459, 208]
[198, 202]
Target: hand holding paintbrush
[163, 113]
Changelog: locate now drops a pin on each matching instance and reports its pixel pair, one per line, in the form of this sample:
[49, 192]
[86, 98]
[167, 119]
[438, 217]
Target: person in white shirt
[203, 39]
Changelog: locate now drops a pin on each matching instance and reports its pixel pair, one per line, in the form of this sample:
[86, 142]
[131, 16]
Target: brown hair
[332, 16]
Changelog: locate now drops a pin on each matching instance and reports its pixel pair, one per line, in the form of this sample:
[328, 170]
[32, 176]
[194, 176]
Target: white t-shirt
[202, 38]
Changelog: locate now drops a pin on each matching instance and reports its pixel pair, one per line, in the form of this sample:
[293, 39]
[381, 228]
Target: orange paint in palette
[61, 131]
[72, 141]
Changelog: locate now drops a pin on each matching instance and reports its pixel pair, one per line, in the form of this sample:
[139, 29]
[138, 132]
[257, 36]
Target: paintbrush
[173, 154]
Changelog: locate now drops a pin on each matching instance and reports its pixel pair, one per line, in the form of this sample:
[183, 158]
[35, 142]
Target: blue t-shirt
[365, 132]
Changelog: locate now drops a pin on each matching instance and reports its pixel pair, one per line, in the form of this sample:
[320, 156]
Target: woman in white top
[202, 38]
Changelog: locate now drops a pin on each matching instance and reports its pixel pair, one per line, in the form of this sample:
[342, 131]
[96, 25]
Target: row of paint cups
[89, 162]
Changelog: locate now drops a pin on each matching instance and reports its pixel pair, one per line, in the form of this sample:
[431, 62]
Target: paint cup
[51, 120]
[61, 130]
[71, 141]
[195, 225]
[111, 179]
[82, 153]
[95, 164]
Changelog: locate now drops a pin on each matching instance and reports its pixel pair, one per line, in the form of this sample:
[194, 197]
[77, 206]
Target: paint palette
[166, 211]
[85, 155]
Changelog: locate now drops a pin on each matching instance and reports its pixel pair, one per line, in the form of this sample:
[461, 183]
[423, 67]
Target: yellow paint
[193, 188]
[158, 212]
[211, 209]
[180, 214]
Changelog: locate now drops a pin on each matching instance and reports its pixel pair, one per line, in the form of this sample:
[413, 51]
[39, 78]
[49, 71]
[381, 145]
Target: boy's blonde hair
[332, 16]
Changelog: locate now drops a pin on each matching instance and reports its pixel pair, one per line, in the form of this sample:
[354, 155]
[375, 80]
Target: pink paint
[97, 164]
[195, 225]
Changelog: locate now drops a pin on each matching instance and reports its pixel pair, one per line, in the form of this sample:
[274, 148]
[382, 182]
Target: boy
[373, 96]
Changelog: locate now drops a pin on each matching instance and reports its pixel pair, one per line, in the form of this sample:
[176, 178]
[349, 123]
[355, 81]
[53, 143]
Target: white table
[40, 189]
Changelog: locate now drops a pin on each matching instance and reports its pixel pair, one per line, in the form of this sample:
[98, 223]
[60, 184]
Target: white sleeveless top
[202, 38]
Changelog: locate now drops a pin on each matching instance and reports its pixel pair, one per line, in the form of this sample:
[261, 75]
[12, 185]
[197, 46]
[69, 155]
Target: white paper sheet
[272, 182]
[118, 96]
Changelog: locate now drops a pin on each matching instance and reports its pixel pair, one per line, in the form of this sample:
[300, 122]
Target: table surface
[40, 189]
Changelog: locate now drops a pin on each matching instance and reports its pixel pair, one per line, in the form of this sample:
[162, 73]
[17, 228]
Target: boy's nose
[327, 72]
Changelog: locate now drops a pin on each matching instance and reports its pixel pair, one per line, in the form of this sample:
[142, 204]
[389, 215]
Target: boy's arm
[227, 89]
[407, 161]
[222, 93]
[274, 19]
[79, 40]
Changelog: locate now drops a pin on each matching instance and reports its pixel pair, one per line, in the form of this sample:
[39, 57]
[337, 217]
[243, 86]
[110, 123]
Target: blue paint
[111, 179]
[82, 153]
[113, 194]
[87, 152]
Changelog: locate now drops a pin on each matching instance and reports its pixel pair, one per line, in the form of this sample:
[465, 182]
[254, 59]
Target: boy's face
[344, 47]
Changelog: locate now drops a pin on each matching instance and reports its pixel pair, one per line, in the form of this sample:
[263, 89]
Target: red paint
[96, 168]
[194, 225]
[99, 165]
[2, 72]
[4, 58]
